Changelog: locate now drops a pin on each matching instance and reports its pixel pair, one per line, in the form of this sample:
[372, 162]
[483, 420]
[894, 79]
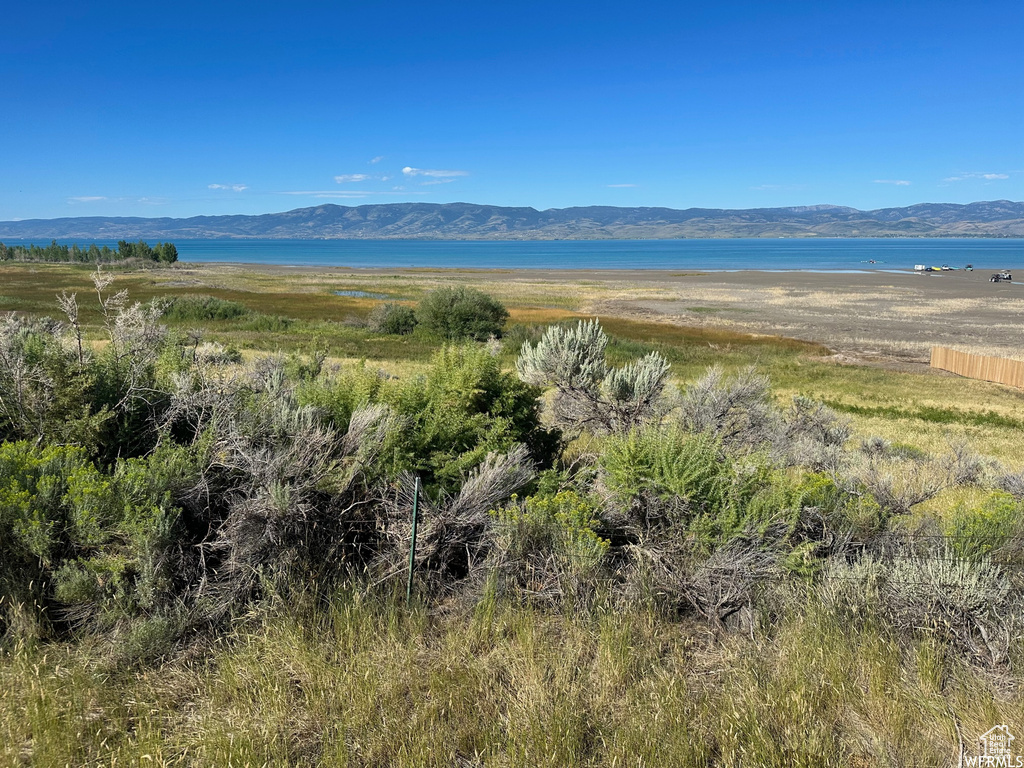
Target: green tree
[166, 253]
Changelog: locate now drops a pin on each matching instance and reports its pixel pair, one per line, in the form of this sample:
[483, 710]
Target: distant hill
[465, 221]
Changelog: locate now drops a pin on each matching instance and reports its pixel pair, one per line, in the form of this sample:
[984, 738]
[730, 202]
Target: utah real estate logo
[995, 750]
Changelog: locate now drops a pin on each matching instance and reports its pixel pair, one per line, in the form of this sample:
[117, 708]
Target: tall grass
[362, 681]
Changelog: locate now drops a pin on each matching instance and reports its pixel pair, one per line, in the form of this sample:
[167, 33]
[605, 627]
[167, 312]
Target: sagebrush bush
[968, 603]
[49, 385]
[738, 410]
[899, 480]
[215, 353]
[461, 313]
[590, 395]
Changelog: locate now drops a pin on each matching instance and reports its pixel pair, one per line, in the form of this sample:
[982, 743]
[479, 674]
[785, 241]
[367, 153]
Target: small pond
[362, 294]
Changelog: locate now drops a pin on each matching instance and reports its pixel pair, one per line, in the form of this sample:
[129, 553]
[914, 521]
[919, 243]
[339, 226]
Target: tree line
[164, 253]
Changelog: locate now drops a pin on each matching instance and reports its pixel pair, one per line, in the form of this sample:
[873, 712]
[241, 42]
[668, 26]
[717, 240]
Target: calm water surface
[779, 254]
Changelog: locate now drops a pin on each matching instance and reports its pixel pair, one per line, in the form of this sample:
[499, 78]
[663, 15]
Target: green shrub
[47, 392]
[197, 308]
[307, 362]
[461, 313]
[340, 394]
[462, 409]
[669, 463]
[105, 546]
[396, 319]
[685, 480]
[465, 408]
[980, 531]
[564, 525]
[54, 506]
[262, 323]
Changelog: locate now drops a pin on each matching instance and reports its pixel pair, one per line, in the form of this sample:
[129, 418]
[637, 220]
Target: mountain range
[466, 221]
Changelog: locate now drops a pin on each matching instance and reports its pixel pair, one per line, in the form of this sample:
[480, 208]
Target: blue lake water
[775, 254]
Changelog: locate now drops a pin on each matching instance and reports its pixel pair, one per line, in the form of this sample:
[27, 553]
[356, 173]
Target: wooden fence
[997, 369]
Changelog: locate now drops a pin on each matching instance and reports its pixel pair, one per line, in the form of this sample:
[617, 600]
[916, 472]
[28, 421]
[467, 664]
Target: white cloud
[232, 187]
[86, 199]
[153, 200]
[436, 181]
[437, 174]
[619, 186]
[346, 178]
[376, 160]
[977, 175]
[895, 182]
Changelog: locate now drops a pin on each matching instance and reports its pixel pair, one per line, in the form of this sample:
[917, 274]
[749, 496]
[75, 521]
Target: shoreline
[610, 270]
[875, 316]
[978, 275]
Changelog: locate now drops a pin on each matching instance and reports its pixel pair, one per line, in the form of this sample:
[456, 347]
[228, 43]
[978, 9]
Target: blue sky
[184, 108]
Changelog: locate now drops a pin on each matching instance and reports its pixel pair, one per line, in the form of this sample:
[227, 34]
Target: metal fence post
[412, 545]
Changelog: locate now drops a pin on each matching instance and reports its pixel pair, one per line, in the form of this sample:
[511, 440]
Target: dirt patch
[875, 318]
